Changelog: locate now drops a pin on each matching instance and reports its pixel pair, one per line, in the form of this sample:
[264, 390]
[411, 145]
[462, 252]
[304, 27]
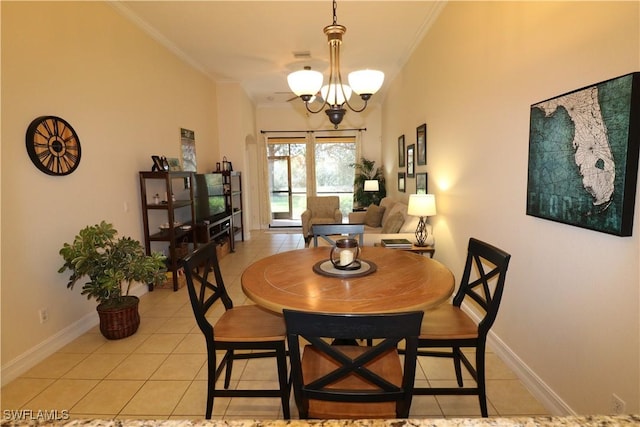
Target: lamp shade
[371, 185]
[305, 82]
[366, 81]
[334, 97]
[422, 205]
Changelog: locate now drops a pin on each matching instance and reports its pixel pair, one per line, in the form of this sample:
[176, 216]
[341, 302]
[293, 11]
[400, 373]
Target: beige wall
[236, 114]
[127, 98]
[570, 312]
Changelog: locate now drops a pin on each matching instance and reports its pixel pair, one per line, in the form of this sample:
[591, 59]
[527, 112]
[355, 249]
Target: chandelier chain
[335, 13]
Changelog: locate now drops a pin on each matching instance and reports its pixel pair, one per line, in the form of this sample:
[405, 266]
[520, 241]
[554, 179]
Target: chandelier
[307, 83]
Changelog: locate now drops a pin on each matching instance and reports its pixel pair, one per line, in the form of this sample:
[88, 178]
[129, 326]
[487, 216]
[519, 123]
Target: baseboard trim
[536, 386]
[30, 358]
[44, 349]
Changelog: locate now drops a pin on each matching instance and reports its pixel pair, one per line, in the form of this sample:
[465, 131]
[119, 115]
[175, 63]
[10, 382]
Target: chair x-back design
[332, 380]
[448, 326]
[245, 328]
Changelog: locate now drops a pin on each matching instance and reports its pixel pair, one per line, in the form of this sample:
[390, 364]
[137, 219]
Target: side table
[415, 249]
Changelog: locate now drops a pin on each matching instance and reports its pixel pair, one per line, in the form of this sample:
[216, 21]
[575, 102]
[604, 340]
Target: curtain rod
[310, 131]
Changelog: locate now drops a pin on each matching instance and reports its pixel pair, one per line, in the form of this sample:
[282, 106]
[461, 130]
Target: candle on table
[346, 257]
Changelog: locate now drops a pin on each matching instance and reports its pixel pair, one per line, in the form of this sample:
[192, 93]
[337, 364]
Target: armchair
[320, 210]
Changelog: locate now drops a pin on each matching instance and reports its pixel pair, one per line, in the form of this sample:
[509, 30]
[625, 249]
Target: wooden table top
[403, 281]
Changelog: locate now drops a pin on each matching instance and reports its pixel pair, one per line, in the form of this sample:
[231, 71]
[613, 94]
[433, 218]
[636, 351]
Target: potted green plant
[111, 263]
[366, 170]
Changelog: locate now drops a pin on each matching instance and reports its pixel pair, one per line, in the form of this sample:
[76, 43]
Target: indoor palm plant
[111, 264]
[366, 170]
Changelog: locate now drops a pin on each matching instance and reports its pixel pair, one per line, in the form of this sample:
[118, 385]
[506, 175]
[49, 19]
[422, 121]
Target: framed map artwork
[583, 156]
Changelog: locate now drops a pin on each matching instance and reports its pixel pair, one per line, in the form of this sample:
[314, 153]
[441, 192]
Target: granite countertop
[577, 421]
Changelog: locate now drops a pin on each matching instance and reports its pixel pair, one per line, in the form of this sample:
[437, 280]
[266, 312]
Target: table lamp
[372, 186]
[422, 205]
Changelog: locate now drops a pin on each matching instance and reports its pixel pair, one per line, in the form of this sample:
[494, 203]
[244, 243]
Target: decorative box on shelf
[222, 248]
[168, 283]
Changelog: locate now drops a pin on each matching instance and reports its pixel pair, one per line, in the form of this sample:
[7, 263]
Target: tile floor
[160, 372]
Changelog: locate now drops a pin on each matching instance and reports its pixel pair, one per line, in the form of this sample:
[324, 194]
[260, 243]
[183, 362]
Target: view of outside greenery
[280, 178]
[334, 176]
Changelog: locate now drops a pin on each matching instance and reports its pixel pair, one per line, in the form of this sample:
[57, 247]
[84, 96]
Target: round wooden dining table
[399, 281]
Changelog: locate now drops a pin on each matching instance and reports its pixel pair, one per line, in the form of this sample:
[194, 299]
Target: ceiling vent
[302, 54]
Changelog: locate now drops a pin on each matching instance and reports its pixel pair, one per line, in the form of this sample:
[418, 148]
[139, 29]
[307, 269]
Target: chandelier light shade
[335, 94]
[422, 205]
[366, 82]
[305, 82]
[340, 95]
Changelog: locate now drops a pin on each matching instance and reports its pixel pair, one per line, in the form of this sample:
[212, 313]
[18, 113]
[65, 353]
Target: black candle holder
[345, 254]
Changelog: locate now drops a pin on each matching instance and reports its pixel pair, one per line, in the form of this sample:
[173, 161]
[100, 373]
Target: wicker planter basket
[119, 322]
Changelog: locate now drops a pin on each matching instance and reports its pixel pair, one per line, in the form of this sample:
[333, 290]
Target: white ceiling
[252, 42]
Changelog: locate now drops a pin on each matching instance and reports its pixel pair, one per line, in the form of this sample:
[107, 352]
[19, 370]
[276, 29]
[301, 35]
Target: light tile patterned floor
[160, 372]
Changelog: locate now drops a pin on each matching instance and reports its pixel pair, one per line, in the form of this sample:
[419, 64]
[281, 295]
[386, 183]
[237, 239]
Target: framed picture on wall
[421, 138]
[411, 149]
[583, 156]
[421, 183]
[401, 182]
[174, 164]
[188, 149]
[401, 161]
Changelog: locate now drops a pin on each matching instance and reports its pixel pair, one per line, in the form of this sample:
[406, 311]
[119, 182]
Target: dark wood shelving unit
[233, 198]
[174, 235]
[218, 229]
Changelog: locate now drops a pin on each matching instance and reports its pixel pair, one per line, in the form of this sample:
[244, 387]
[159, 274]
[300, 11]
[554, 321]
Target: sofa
[389, 220]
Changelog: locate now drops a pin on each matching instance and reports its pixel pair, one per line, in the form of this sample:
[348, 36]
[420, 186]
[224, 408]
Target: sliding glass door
[280, 175]
[287, 167]
[312, 165]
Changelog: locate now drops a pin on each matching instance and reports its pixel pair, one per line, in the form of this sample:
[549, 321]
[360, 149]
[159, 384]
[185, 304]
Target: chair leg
[457, 365]
[480, 372]
[211, 384]
[281, 357]
[227, 375]
[209, 410]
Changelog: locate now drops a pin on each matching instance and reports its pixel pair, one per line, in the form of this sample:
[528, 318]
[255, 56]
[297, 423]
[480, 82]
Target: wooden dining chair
[449, 327]
[351, 381]
[246, 327]
[331, 232]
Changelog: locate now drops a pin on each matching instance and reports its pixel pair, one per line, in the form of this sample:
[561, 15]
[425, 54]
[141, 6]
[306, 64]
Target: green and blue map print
[583, 156]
